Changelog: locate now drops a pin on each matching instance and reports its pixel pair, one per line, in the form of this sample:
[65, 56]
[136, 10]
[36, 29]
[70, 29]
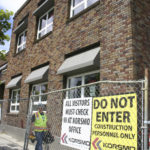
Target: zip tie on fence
[90, 84]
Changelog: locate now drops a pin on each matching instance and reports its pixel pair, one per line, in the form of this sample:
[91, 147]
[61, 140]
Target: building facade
[56, 44]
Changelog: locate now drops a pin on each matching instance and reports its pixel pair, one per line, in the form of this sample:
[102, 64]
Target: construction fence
[101, 115]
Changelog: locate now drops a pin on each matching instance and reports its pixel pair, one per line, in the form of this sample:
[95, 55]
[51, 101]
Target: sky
[12, 5]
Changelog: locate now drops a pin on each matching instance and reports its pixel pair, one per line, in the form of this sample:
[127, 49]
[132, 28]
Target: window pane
[42, 22]
[24, 46]
[36, 90]
[20, 48]
[50, 17]
[90, 2]
[76, 93]
[12, 107]
[17, 108]
[75, 2]
[18, 96]
[44, 88]
[20, 39]
[78, 9]
[25, 34]
[92, 90]
[14, 96]
[49, 28]
[41, 33]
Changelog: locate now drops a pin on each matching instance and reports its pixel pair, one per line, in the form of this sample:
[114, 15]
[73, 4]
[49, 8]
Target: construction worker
[40, 125]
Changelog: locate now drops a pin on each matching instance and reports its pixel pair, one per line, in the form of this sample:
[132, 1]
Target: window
[83, 79]
[39, 89]
[79, 5]
[21, 43]
[45, 24]
[14, 105]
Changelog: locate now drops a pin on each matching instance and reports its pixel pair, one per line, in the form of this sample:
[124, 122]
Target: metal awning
[3, 67]
[36, 75]
[44, 7]
[84, 61]
[14, 83]
[21, 27]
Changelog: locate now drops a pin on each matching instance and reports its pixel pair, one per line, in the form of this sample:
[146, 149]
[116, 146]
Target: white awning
[3, 67]
[36, 75]
[14, 82]
[80, 61]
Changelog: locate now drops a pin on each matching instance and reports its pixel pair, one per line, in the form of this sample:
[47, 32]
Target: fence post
[26, 139]
[146, 111]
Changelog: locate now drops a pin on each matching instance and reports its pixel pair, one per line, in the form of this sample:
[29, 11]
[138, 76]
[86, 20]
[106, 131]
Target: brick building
[106, 40]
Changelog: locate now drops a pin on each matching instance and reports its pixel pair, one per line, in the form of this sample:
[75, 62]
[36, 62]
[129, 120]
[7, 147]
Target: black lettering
[131, 100]
[104, 103]
[105, 116]
[119, 116]
[98, 116]
[123, 102]
[114, 103]
[126, 116]
[96, 104]
[112, 116]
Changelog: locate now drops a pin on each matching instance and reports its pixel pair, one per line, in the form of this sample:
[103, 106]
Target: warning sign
[114, 123]
[76, 123]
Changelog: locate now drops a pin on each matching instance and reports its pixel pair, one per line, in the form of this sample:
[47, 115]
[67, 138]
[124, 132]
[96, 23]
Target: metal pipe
[146, 111]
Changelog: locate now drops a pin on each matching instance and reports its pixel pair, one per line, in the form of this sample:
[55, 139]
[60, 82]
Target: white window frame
[46, 26]
[72, 8]
[16, 103]
[42, 102]
[23, 43]
[83, 81]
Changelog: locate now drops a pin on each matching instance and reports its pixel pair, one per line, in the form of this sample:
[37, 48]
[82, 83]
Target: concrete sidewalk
[7, 142]
[12, 138]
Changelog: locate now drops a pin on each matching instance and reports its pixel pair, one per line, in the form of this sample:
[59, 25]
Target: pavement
[12, 138]
[8, 142]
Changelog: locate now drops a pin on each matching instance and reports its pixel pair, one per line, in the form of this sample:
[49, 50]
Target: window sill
[19, 52]
[83, 12]
[14, 114]
[38, 40]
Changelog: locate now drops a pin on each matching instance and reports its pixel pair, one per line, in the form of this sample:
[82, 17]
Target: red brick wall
[110, 23]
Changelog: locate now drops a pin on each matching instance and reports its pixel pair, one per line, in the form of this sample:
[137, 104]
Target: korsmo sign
[76, 123]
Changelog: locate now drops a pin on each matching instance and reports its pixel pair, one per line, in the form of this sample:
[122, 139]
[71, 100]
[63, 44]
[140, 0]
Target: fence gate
[101, 115]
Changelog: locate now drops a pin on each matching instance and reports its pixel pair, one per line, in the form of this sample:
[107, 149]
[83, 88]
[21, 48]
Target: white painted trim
[47, 25]
[40, 94]
[72, 8]
[16, 103]
[24, 42]
[83, 80]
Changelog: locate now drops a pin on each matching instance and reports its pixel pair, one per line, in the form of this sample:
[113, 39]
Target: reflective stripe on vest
[40, 122]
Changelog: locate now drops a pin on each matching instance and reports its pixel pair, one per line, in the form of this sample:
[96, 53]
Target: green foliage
[4, 25]
[3, 55]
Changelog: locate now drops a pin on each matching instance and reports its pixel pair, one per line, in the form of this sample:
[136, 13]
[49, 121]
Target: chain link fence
[53, 102]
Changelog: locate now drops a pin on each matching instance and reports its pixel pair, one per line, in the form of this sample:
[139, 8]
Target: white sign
[76, 123]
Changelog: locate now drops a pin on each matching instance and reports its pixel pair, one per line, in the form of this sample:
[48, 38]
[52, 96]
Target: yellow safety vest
[40, 123]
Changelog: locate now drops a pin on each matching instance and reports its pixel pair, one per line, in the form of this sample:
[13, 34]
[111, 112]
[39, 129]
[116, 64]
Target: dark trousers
[39, 138]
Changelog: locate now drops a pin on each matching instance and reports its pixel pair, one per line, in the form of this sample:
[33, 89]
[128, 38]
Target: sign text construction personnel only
[114, 123]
